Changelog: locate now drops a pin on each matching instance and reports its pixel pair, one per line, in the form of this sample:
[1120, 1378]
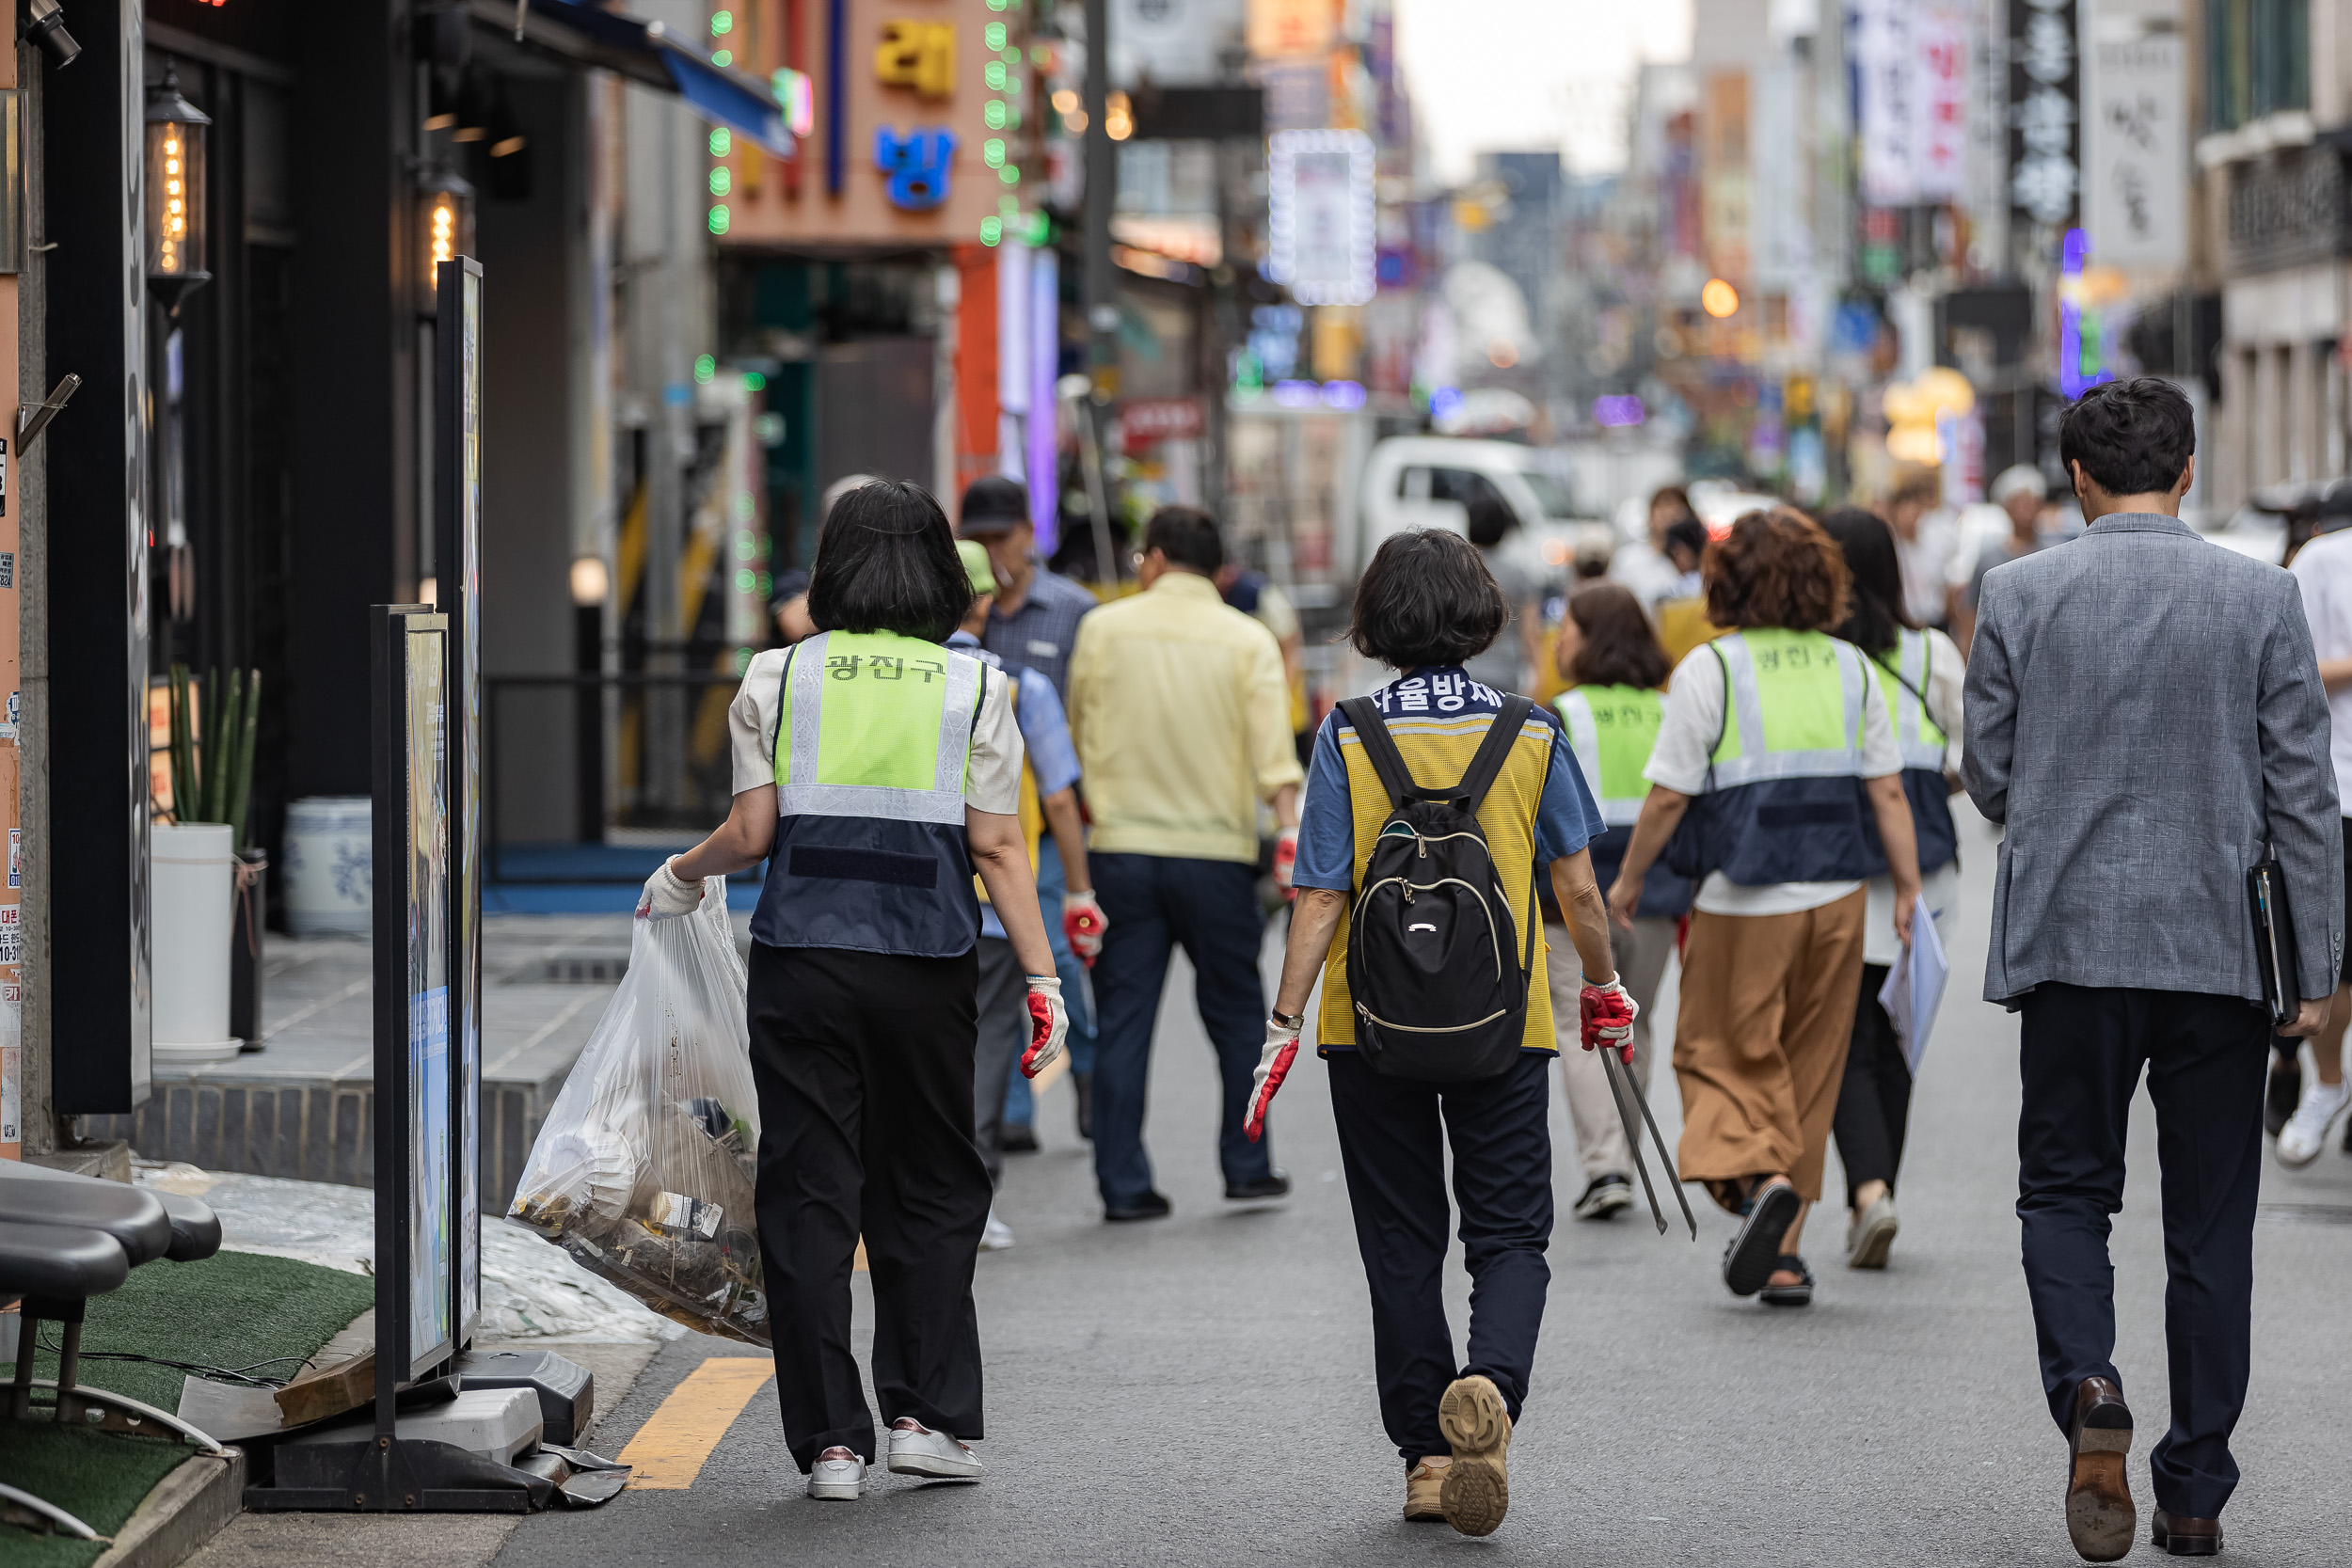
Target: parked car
[1430, 482]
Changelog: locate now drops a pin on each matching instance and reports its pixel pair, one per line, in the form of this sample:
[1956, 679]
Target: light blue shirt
[1044, 734]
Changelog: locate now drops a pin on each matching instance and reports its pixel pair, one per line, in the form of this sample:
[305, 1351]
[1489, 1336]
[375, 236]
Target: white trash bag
[643, 1169]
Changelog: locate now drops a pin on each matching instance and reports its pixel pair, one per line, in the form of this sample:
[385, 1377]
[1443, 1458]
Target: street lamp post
[445, 224]
[175, 192]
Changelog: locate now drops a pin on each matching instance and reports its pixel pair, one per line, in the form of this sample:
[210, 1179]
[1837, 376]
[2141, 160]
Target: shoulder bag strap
[1722, 719]
[1494, 750]
[1927, 658]
[1372, 732]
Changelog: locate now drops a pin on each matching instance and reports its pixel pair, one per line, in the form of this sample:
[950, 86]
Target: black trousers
[863, 1066]
[1154, 904]
[2083, 1049]
[1874, 1097]
[1394, 1148]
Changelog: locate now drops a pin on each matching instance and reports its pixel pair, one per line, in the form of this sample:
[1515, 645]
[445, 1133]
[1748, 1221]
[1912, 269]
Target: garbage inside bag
[643, 1168]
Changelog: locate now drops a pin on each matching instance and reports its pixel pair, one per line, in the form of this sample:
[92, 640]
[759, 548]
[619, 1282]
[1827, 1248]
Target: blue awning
[649, 52]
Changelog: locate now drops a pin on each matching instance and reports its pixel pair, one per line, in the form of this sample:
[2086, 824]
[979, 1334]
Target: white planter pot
[330, 885]
[193, 889]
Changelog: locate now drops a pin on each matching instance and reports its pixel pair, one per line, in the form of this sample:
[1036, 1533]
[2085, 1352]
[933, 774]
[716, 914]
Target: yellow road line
[672, 1448]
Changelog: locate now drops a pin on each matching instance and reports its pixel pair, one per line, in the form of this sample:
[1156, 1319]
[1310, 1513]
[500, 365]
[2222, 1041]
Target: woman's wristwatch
[1287, 1021]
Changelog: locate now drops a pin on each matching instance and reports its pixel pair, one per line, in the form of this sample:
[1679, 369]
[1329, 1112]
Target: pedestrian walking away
[1776, 756]
[1182, 725]
[1616, 672]
[2322, 571]
[1919, 674]
[1049, 798]
[2145, 713]
[1433, 808]
[874, 771]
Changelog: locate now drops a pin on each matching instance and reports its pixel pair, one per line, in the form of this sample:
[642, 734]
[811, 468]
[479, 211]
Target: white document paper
[1914, 987]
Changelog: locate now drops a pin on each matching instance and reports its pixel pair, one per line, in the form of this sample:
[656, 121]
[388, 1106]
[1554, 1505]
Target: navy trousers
[1394, 1148]
[2083, 1050]
[1152, 904]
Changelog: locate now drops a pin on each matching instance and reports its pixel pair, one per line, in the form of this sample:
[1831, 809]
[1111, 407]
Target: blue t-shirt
[1044, 737]
[1566, 819]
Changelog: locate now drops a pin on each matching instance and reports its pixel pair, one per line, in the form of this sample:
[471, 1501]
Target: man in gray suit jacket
[2145, 714]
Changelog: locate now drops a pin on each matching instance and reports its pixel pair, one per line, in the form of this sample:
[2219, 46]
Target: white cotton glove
[667, 896]
[1049, 1024]
[1274, 1065]
[1285, 860]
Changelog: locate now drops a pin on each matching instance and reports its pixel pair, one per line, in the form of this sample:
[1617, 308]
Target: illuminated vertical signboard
[416, 1244]
[1319, 216]
[458, 557]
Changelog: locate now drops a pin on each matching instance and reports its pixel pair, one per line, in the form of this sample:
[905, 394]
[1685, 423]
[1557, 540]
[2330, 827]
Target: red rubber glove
[1274, 1065]
[1049, 1024]
[1082, 922]
[1285, 858]
[1607, 1014]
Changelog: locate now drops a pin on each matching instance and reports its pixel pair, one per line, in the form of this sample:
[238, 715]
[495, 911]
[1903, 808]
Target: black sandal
[1798, 1294]
[1755, 1251]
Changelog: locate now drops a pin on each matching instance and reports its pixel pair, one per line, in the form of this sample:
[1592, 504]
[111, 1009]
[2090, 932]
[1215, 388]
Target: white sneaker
[997, 1236]
[2306, 1131]
[837, 1477]
[915, 1449]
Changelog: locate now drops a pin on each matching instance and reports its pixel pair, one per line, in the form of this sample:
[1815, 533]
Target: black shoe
[1604, 1195]
[1082, 1085]
[1274, 1183]
[2180, 1536]
[1150, 1206]
[1798, 1294]
[2284, 1093]
[1755, 1252]
[1017, 1139]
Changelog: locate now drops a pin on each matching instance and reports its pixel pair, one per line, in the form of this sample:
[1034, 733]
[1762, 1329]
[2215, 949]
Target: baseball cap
[992, 504]
[976, 566]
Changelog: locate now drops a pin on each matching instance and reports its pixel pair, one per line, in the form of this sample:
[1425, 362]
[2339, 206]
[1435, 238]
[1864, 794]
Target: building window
[2257, 59]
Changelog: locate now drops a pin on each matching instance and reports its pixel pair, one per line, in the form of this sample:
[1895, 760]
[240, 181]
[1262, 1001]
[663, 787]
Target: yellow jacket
[1182, 720]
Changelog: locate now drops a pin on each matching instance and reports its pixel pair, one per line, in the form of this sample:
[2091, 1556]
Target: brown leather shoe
[2183, 1536]
[2099, 1512]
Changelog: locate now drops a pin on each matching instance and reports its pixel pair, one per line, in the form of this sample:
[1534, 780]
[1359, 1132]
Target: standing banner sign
[457, 560]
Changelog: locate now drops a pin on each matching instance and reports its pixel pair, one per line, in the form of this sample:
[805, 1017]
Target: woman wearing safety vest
[1610, 655]
[1919, 674]
[1774, 753]
[1480, 1086]
[882, 769]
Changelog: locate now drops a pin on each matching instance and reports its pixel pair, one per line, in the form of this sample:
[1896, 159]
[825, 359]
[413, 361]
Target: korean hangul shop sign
[1147, 421]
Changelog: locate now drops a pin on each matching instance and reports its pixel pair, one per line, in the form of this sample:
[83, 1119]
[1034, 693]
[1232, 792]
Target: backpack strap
[1371, 731]
[1494, 750]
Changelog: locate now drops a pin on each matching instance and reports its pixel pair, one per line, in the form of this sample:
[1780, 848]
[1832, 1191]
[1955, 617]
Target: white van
[1430, 480]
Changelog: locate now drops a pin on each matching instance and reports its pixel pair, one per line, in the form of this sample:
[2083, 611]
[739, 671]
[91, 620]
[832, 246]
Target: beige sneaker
[1474, 1492]
[1424, 1485]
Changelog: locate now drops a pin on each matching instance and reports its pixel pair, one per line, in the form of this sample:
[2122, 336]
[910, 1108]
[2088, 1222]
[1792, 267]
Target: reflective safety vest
[1611, 730]
[1903, 678]
[873, 748]
[1784, 802]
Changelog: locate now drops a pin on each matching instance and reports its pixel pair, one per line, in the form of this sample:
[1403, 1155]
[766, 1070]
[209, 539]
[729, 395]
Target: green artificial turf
[231, 1310]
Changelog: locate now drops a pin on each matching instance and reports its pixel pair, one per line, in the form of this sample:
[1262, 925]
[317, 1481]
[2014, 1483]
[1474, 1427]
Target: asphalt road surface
[1198, 1391]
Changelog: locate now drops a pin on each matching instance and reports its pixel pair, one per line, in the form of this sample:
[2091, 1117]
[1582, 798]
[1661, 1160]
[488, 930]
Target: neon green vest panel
[1611, 730]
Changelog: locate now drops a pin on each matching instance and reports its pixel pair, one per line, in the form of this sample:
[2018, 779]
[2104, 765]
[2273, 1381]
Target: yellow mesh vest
[1438, 750]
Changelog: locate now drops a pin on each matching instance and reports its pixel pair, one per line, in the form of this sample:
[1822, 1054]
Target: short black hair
[1689, 534]
[1427, 598]
[1490, 519]
[2133, 436]
[1187, 536]
[886, 561]
[1876, 608]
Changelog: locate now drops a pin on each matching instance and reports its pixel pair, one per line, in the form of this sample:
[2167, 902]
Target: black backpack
[1436, 966]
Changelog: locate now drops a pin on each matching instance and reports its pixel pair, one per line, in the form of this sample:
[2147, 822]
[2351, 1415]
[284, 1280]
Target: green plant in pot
[214, 727]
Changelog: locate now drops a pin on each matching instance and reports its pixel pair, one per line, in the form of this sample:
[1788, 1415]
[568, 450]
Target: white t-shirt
[992, 784]
[1926, 564]
[1694, 716]
[2323, 570]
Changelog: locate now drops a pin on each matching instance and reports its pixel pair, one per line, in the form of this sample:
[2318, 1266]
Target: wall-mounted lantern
[445, 226]
[175, 192]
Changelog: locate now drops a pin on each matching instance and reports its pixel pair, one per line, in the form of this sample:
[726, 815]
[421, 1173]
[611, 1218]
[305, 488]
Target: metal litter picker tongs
[1621, 1085]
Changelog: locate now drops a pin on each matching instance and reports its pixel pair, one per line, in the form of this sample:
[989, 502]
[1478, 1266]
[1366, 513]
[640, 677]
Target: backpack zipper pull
[1422, 845]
